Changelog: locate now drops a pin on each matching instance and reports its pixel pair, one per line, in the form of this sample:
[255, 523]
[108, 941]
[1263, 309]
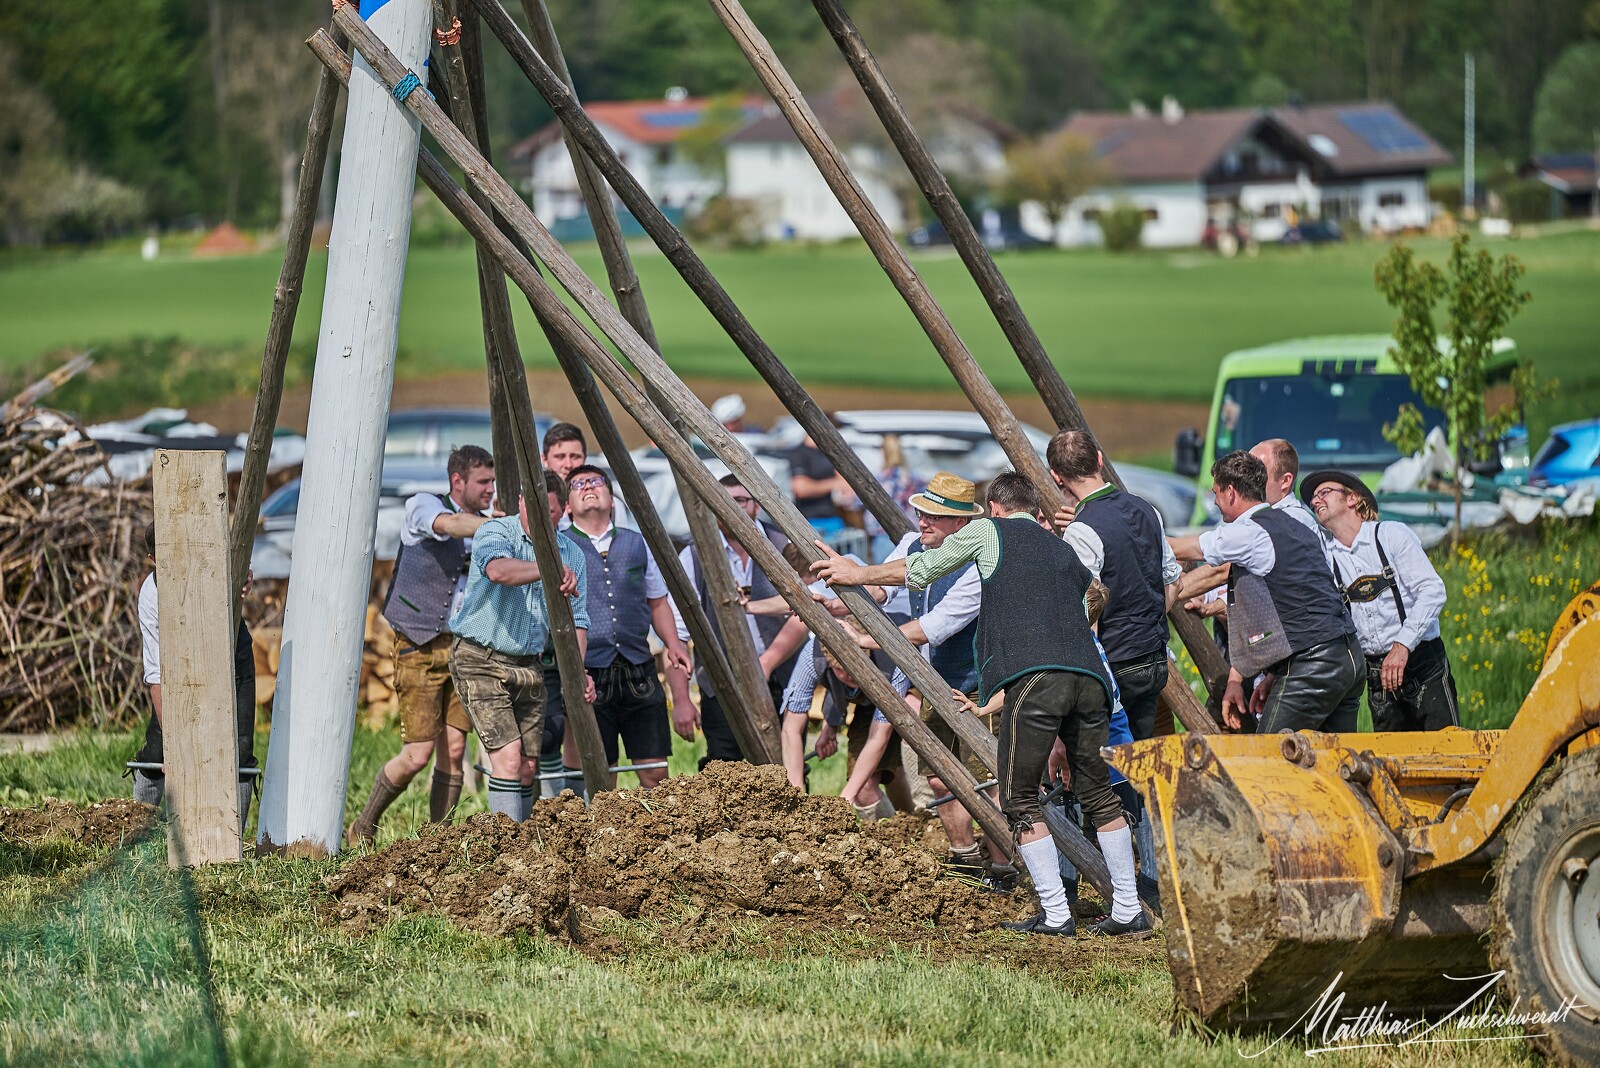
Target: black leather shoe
[1040, 926]
[1111, 927]
[1000, 879]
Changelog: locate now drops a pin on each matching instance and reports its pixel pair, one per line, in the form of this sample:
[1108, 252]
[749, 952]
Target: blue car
[1572, 454]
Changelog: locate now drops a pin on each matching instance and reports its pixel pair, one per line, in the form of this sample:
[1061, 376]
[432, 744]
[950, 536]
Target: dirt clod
[103, 823]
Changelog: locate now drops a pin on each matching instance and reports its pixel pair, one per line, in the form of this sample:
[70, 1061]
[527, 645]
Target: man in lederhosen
[1395, 597]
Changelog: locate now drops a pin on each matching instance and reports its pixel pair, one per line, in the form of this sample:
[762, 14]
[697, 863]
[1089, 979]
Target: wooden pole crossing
[693, 270]
[633, 398]
[748, 702]
[280, 327]
[506, 367]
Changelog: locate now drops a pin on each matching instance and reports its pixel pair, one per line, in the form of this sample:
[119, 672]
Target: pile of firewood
[71, 560]
[264, 612]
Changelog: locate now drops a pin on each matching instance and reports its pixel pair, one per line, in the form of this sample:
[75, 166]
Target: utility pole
[1469, 172]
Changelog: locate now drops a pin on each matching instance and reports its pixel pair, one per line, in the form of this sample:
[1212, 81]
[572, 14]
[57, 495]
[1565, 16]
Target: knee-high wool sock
[505, 796]
[549, 765]
[445, 792]
[383, 795]
[1117, 847]
[1040, 857]
[529, 792]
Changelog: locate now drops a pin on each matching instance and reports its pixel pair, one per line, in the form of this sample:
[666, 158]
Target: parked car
[1572, 454]
[1312, 232]
[960, 442]
[416, 450]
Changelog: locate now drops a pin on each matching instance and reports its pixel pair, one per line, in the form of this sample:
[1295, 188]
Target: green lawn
[109, 958]
[1146, 325]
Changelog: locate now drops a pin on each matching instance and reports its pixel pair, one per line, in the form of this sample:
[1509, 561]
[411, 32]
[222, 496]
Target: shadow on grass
[115, 971]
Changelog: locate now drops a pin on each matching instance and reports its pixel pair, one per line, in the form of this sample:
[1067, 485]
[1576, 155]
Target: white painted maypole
[313, 716]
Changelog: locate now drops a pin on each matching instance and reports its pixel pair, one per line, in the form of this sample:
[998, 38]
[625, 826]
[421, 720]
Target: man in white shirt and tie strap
[1395, 597]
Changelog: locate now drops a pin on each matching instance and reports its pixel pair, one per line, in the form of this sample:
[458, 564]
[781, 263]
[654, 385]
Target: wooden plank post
[280, 327]
[197, 592]
[747, 702]
[1042, 371]
[308, 759]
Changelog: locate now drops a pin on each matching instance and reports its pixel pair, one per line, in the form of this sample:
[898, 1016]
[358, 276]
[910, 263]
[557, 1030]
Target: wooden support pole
[280, 327]
[506, 369]
[196, 595]
[308, 760]
[723, 444]
[748, 705]
[1046, 377]
[693, 270]
[930, 316]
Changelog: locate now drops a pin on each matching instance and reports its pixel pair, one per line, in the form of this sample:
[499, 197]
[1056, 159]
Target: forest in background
[191, 112]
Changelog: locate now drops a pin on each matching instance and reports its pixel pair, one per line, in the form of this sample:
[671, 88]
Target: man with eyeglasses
[627, 596]
[776, 638]
[1395, 597]
[1285, 616]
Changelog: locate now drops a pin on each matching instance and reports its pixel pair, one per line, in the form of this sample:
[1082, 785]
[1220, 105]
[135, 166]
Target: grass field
[1145, 325]
[108, 958]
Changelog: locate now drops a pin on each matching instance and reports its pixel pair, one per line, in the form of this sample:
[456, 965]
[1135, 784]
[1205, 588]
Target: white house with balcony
[762, 162]
[1363, 164]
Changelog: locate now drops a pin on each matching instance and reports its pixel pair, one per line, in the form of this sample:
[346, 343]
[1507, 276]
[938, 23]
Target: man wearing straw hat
[1033, 642]
[1395, 597]
[945, 624]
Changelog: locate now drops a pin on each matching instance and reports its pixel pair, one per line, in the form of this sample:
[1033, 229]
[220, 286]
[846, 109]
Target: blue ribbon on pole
[405, 86]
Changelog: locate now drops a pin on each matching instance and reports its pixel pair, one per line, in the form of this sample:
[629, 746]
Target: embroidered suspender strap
[1388, 572]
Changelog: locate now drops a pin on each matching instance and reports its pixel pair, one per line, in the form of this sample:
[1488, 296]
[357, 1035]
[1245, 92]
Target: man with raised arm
[430, 578]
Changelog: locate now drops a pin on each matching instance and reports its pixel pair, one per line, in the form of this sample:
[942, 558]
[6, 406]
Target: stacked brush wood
[71, 560]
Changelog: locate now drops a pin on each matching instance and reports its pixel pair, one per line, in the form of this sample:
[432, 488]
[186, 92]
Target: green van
[1329, 396]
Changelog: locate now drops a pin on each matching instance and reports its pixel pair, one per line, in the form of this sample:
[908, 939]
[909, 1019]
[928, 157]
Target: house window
[1151, 215]
[1391, 200]
[1269, 211]
[663, 155]
[1091, 214]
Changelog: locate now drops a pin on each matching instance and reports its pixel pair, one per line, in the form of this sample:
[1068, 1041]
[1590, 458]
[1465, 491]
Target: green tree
[1053, 171]
[1477, 294]
[1566, 114]
[1180, 48]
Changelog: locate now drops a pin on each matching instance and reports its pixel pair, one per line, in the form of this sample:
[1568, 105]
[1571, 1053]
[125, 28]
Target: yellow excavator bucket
[1293, 864]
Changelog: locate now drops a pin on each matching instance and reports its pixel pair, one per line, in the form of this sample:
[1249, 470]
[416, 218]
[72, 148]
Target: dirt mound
[97, 825]
[735, 841]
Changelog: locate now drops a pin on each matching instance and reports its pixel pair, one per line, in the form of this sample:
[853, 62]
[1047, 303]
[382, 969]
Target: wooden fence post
[196, 595]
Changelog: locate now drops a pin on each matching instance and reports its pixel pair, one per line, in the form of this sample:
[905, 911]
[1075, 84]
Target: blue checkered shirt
[511, 619]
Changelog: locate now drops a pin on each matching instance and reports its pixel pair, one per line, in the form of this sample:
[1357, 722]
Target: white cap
[728, 408]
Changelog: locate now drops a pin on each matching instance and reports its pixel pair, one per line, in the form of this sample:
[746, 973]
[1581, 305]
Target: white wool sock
[1117, 847]
[1040, 857]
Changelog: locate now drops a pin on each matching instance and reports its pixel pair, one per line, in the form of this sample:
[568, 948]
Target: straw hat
[947, 494]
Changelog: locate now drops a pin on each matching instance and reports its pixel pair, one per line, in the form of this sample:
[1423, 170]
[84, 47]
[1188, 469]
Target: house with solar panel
[1361, 166]
[646, 135]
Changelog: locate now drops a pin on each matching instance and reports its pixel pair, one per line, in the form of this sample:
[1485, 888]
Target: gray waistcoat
[424, 583]
[760, 587]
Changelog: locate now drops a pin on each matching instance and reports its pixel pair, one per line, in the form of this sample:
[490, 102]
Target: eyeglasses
[742, 501]
[1327, 491]
[587, 483]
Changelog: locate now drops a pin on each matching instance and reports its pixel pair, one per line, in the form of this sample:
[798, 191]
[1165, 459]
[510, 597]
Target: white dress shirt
[743, 570]
[1422, 591]
[1243, 542]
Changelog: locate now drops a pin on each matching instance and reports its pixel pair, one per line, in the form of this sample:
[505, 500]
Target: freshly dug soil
[728, 854]
[98, 825]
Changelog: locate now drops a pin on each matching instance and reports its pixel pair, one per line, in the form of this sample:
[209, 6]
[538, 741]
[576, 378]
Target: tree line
[186, 112]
